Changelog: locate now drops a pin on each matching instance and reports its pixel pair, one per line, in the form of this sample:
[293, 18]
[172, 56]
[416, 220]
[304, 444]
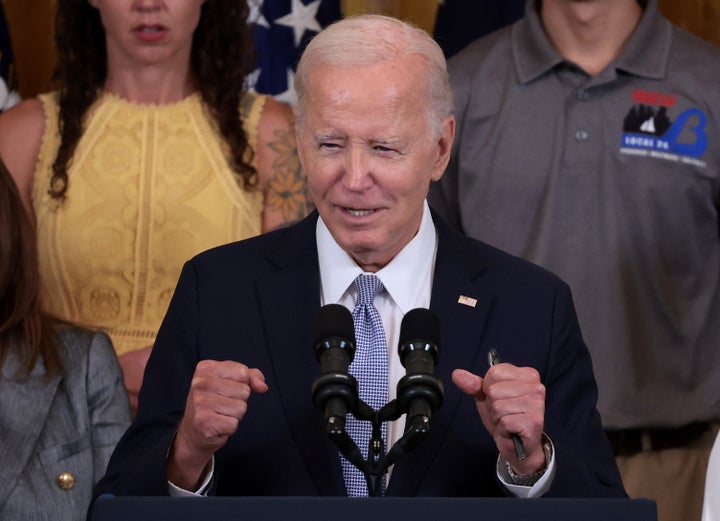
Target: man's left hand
[510, 400]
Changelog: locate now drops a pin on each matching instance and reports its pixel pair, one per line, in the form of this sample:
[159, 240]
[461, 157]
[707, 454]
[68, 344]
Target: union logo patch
[648, 130]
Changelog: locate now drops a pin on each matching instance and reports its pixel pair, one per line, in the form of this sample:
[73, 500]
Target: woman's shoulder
[276, 114]
[18, 123]
[82, 347]
[278, 167]
[262, 115]
[275, 131]
[21, 133]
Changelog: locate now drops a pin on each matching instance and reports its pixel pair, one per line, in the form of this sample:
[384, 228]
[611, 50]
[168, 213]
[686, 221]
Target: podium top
[108, 508]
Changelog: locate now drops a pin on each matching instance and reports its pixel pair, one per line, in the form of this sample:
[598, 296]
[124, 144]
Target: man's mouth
[358, 212]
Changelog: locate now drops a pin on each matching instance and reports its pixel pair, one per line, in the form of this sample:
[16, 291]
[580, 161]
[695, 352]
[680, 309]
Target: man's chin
[369, 256]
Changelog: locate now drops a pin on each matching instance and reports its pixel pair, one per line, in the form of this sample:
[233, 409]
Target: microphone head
[420, 325]
[334, 320]
[419, 332]
[335, 391]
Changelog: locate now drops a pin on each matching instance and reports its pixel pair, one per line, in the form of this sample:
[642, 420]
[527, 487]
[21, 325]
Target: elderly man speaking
[227, 408]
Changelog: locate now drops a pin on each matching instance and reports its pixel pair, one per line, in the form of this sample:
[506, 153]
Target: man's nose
[357, 174]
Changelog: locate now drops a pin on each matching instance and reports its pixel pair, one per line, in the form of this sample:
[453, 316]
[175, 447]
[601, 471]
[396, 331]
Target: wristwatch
[528, 480]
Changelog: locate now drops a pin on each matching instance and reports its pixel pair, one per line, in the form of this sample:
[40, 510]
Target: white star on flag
[282, 29]
[256, 17]
[301, 19]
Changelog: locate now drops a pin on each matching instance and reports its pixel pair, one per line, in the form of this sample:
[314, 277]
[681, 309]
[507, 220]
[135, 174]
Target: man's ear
[444, 147]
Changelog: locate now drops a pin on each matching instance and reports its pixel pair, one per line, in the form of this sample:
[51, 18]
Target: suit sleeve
[585, 463]
[107, 401]
[138, 465]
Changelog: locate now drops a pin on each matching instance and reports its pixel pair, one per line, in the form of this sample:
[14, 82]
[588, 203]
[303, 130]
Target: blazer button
[66, 481]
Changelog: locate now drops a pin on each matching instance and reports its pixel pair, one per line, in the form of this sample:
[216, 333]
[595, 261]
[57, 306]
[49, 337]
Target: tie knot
[367, 287]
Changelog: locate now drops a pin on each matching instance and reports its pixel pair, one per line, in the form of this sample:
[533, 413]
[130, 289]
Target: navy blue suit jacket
[254, 302]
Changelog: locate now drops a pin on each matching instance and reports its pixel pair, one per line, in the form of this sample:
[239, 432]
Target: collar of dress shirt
[400, 277]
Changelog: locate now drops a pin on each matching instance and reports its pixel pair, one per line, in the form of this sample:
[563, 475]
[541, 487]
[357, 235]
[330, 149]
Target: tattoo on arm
[287, 189]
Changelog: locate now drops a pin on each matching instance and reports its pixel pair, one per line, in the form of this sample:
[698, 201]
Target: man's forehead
[409, 68]
[361, 91]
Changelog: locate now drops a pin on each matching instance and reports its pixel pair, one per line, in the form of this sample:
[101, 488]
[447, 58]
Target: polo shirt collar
[647, 50]
[534, 54]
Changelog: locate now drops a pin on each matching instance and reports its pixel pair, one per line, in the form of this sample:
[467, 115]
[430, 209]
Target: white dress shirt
[711, 501]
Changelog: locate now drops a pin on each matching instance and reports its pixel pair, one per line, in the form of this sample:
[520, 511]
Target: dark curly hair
[222, 56]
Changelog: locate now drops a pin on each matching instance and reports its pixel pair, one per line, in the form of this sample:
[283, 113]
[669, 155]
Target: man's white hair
[364, 40]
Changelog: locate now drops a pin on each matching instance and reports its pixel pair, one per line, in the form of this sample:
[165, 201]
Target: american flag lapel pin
[467, 301]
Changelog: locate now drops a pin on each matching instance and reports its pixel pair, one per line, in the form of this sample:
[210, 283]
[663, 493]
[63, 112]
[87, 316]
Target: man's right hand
[216, 403]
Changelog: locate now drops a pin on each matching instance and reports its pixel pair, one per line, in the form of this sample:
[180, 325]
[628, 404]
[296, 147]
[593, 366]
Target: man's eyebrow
[324, 136]
[387, 141]
[390, 141]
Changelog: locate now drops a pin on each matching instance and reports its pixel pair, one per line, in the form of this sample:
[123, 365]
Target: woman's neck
[150, 85]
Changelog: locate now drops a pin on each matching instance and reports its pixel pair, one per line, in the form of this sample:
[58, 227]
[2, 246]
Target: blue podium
[370, 509]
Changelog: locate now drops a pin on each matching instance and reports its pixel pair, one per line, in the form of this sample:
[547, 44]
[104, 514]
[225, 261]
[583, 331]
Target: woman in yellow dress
[150, 151]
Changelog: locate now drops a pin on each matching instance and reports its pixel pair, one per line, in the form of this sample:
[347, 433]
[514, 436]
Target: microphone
[335, 391]
[419, 392]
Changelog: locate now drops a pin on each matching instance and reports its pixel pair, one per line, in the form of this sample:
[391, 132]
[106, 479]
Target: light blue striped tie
[370, 368]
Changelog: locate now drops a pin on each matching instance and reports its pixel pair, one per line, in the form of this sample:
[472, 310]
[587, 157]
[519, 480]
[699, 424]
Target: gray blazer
[66, 426]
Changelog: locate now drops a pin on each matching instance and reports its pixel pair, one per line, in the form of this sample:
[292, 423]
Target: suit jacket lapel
[24, 405]
[457, 273]
[289, 299]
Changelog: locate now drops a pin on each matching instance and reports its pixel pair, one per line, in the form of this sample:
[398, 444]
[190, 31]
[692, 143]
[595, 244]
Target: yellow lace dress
[149, 187]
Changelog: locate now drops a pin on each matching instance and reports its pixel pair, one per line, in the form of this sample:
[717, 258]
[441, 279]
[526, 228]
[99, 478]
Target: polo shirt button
[581, 135]
[66, 481]
[583, 95]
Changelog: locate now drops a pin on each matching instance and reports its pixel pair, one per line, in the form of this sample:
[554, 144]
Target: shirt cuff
[539, 488]
[202, 490]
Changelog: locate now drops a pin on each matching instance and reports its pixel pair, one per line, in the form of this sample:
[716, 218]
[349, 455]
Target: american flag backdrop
[282, 29]
[8, 95]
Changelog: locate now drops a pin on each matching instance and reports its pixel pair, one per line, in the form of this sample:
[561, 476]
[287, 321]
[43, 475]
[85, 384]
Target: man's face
[369, 155]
